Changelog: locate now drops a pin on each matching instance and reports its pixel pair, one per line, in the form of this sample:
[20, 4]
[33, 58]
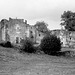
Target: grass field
[14, 63]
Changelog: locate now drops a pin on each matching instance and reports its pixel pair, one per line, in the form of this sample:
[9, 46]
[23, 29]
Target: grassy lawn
[14, 63]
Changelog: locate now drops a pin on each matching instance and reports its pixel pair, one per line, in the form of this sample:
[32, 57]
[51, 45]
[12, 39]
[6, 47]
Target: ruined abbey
[14, 30]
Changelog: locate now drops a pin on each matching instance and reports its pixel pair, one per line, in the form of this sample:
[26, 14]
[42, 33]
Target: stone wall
[17, 30]
[67, 38]
[14, 30]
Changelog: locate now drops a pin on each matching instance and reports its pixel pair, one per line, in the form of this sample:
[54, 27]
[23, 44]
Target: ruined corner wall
[18, 30]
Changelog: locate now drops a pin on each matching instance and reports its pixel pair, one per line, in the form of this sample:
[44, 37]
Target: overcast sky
[36, 10]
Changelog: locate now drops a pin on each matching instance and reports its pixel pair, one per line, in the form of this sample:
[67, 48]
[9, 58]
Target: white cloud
[33, 10]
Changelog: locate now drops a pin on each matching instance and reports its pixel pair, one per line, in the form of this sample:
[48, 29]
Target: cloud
[33, 10]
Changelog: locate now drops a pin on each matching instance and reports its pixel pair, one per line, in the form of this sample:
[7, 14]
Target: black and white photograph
[37, 37]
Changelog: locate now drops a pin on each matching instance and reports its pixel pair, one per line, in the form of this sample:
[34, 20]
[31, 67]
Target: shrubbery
[69, 53]
[27, 46]
[6, 44]
[50, 44]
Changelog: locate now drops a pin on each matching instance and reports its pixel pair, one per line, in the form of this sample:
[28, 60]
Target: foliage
[68, 19]
[6, 44]
[69, 53]
[41, 26]
[50, 44]
[27, 46]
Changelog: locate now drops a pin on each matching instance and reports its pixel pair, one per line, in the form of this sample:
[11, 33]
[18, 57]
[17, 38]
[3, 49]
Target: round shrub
[69, 53]
[8, 44]
[27, 46]
[2, 44]
[50, 44]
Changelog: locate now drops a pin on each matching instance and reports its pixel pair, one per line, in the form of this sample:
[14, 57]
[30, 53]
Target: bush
[27, 46]
[50, 44]
[69, 53]
[6, 44]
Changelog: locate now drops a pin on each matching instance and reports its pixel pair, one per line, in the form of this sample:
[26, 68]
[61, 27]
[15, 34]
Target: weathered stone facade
[14, 30]
[67, 37]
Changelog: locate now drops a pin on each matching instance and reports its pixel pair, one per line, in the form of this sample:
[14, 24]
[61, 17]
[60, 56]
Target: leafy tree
[68, 19]
[41, 26]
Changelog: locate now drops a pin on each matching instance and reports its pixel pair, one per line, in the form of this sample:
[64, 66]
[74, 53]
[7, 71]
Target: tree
[68, 19]
[41, 26]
